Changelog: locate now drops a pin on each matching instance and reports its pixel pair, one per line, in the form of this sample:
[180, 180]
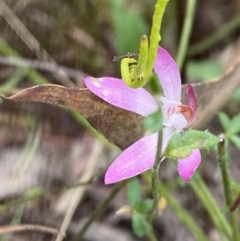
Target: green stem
[152, 236]
[227, 187]
[187, 27]
[155, 181]
[210, 204]
[208, 42]
[98, 211]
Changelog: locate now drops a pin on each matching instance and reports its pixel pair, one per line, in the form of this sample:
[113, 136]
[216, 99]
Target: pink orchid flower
[141, 155]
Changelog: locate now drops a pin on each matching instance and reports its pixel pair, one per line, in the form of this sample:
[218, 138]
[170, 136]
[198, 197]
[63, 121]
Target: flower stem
[187, 27]
[155, 181]
[227, 187]
[98, 211]
[152, 236]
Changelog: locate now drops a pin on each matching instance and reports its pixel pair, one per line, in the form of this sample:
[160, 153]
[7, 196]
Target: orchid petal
[188, 165]
[168, 74]
[136, 159]
[115, 92]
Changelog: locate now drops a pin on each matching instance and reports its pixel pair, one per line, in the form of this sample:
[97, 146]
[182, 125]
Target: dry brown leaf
[114, 123]
[123, 127]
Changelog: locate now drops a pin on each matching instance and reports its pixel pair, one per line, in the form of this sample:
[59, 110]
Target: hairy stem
[227, 187]
[155, 181]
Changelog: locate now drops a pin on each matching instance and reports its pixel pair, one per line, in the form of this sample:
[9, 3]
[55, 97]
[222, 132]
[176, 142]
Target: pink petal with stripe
[168, 74]
[115, 92]
[136, 159]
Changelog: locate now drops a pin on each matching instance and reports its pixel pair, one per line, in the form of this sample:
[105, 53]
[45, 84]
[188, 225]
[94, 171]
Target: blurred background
[45, 149]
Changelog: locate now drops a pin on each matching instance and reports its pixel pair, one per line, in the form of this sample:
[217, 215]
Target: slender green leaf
[235, 140]
[16, 78]
[235, 125]
[209, 202]
[183, 214]
[225, 121]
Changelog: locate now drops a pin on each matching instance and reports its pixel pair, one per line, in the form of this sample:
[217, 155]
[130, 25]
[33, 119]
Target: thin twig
[77, 195]
[28, 227]
[42, 65]
[31, 41]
